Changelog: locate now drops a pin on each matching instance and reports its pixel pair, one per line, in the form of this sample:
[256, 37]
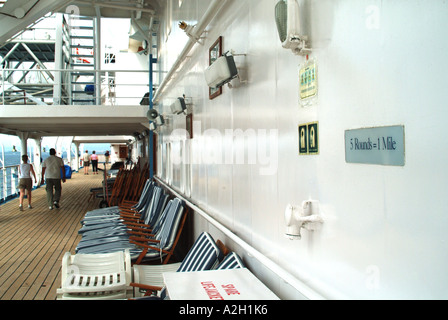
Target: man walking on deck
[51, 169]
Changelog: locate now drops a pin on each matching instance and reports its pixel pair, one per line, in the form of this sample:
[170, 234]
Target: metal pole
[151, 133]
[3, 87]
[97, 55]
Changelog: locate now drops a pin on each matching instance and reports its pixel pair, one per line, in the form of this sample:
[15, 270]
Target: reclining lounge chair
[203, 255]
[125, 227]
[162, 243]
[127, 207]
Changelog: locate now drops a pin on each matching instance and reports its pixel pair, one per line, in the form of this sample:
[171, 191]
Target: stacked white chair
[95, 276]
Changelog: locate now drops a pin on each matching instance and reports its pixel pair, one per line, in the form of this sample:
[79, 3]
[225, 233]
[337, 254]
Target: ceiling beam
[114, 6]
[10, 26]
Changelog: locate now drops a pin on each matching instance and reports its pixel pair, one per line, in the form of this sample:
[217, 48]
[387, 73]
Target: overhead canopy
[16, 15]
[83, 120]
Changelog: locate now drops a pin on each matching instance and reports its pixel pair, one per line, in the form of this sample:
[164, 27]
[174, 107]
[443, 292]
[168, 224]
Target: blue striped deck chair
[203, 255]
[114, 211]
[138, 206]
[112, 215]
[94, 225]
[163, 242]
[231, 261]
[110, 232]
[145, 215]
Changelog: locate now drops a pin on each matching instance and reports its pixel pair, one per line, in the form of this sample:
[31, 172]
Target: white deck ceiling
[84, 120]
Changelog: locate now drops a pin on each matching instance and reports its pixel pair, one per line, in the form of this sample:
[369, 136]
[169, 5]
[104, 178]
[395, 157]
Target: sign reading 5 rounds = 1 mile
[376, 145]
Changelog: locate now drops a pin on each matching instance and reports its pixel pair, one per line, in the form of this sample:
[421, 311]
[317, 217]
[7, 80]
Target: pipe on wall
[211, 12]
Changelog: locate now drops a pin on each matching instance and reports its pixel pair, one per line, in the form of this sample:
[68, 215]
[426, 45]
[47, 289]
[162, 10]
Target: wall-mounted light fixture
[179, 106]
[287, 18]
[189, 30]
[222, 71]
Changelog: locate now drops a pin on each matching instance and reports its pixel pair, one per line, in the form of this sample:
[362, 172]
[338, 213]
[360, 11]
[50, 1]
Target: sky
[8, 141]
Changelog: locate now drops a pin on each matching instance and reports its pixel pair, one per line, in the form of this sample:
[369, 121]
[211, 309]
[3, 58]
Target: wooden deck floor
[33, 242]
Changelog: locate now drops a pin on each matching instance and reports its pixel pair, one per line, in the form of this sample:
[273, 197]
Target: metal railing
[9, 182]
[72, 87]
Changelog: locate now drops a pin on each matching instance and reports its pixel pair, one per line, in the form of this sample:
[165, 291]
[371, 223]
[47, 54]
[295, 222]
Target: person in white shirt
[51, 169]
[86, 159]
[25, 181]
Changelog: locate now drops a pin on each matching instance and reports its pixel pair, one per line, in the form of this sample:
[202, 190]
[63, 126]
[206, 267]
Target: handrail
[113, 87]
[4, 194]
[7, 167]
[297, 284]
[77, 70]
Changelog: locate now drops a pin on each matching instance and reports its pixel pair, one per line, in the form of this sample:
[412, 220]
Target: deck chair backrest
[143, 174]
[203, 255]
[146, 192]
[158, 209]
[168, 231]
[95, 264]
[161, 218]
[155, 206]
[117, 187]
[151, 194]
[231, 261]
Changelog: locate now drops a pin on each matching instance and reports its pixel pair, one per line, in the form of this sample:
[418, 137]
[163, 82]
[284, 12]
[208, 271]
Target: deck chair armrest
[147, 287]
[128, 202]
[144, 245]
[143, 234]
[140, 225]
[137, 228]
[130, 219]
[129, 214]
[145, 250]
[128, 210]
[143, 240]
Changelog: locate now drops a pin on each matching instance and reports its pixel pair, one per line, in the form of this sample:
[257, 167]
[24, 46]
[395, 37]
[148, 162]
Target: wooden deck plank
[32, 242]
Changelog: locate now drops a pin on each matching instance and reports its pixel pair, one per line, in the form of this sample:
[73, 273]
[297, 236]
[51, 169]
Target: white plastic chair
[95, 276]
[151, 274]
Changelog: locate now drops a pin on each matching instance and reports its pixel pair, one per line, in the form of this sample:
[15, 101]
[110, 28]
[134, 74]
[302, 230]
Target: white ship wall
[379, 63]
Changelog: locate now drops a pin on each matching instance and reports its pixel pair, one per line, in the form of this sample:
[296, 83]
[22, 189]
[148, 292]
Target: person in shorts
[53, 170]
[86, 162]
[26, 170]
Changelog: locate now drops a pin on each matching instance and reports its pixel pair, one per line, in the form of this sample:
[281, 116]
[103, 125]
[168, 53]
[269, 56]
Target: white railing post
[3, 87]
[4, 183]
[13, 180]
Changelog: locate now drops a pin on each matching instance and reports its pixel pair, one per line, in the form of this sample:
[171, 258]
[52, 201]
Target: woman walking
[25, 182]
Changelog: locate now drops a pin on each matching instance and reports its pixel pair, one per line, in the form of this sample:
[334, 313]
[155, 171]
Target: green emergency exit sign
[309, 138]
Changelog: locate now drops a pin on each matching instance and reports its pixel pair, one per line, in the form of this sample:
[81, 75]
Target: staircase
[83, 64]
